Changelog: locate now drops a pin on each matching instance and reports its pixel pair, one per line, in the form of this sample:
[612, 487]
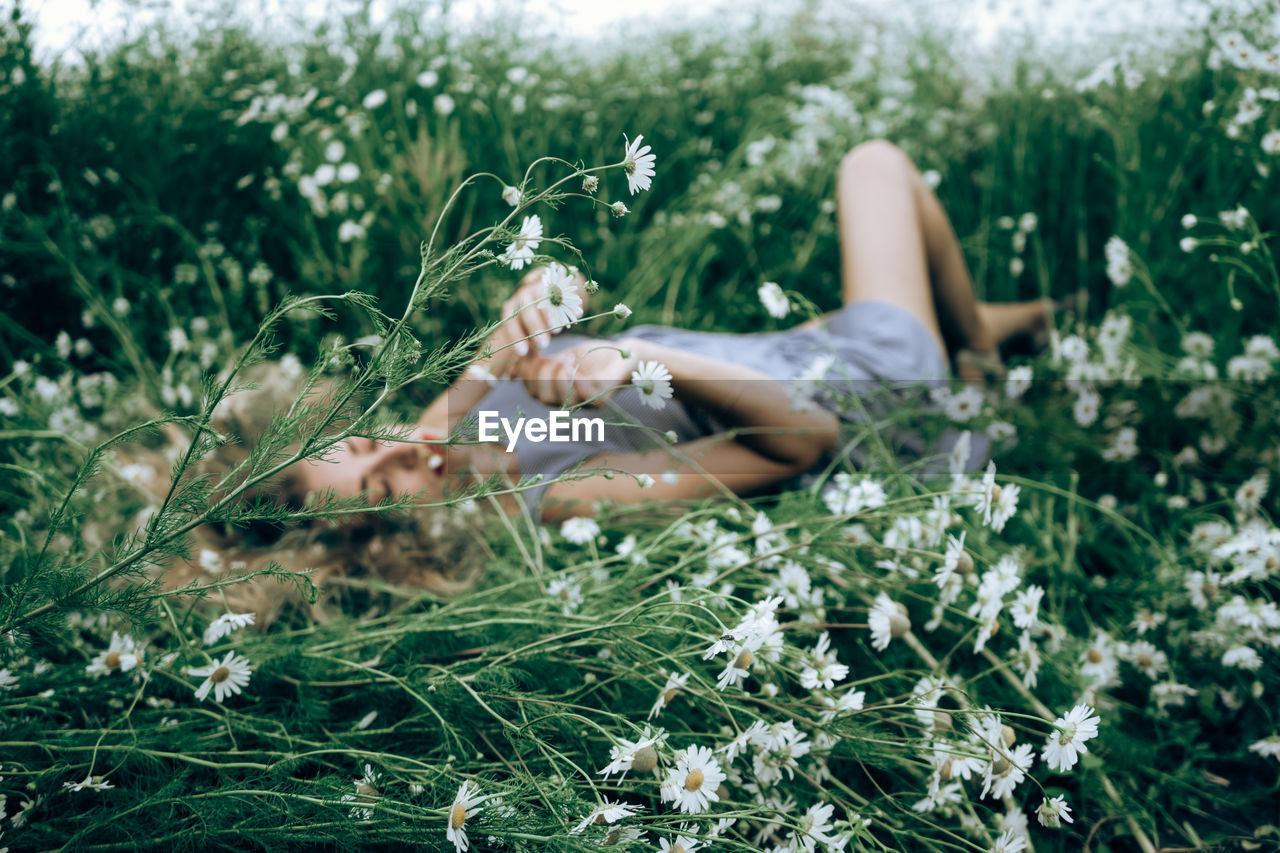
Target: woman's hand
[527, 325]
[590, 372]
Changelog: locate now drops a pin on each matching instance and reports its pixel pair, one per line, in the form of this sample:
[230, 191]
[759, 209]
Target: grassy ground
[901, 696]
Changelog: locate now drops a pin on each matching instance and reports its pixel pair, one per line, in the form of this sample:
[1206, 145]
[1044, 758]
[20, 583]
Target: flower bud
[590, 184]
[619, 209]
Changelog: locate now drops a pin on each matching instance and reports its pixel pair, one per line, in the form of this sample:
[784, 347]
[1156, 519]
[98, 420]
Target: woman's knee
[875, 155]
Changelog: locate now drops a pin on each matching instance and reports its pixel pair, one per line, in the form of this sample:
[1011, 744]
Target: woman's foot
[1026, 325]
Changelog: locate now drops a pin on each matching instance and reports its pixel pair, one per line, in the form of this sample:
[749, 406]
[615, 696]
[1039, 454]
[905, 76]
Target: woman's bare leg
[1006, 319]
[897, 245]
[883, 249]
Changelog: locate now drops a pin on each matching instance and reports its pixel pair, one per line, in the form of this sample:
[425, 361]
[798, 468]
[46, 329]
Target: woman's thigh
[882, 247]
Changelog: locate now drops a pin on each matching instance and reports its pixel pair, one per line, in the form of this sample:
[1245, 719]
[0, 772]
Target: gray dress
[860, 364]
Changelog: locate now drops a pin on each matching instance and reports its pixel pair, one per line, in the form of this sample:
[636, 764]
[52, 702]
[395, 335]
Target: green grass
[149, 183]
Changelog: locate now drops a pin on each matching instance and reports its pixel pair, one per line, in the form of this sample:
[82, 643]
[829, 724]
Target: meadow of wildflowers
[1073, 648]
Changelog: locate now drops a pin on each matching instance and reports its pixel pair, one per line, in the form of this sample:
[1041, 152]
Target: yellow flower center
[744, 659]
[457, 816]
[112, 660]
[220, 675]
[1095, 656]
[996, 492]
[694, 780]
[668, 696]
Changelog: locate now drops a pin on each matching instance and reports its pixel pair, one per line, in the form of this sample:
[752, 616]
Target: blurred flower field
[1073, 649]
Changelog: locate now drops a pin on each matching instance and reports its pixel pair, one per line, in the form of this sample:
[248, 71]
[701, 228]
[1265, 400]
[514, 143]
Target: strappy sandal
[979, 365]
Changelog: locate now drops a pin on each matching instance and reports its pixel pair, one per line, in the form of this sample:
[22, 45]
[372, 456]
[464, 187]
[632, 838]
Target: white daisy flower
[1026, 606]
[675, 681]
[1053, 812]
[1006, 770]
[1018, 381]
[774, 300]
[739, 666]
[464, 806]
[1010, 842]
[1267, 747]
[956, 561]
[224, 625]
[521, 250]
[821, 669]
[815, 827]
[638, 164]
[679, 844]
[580, 531]
[965, 405]
[887, 620]
[653, 381]
[224, 678]
[122, 654]
[640, 755]
[374, 99]
[847, 497]
[1243, 657]
[1066, 744]
[91, 783]
[558, 288]
[692, 783]
[1119, 263]
[996, 503]
[568, 592]
[366, 794]
[606, 812]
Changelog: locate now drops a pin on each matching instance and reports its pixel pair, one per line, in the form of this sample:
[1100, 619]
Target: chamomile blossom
[521, 250]
[1066, 743]
[678, 844]
[996, 503]
[224, 625]
[774, 300]
[1010, 841]
[691, 784]
[675, 681]
[1119, 263]
[579, 530]
[1053, 812]
[606, 812]
[640, 754]
[223, 678]
[89, 783]
[815, 828]
[888, 620]
[1267, 747]
[465, 805]
[122, 654]
[564, 303]
[638, 164]
[653, 381]
[821, 668]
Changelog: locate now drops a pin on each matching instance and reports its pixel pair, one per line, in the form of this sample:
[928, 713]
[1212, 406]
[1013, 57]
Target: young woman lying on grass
[907, 293]
[731, 421]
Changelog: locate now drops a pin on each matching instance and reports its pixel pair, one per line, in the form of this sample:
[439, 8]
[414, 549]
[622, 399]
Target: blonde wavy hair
[438, 551]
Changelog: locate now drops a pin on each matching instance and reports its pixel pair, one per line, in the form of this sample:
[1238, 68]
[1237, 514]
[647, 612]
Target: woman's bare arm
[769, 439]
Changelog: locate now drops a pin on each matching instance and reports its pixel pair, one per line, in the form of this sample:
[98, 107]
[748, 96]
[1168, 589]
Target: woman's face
[377, 469]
